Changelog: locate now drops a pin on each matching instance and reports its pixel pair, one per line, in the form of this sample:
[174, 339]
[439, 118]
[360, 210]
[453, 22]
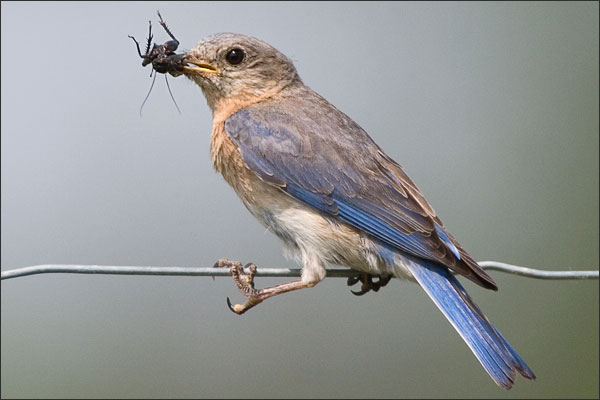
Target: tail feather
[496, 355]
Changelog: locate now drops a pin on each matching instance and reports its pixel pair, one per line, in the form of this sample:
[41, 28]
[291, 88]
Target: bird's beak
[198, 67]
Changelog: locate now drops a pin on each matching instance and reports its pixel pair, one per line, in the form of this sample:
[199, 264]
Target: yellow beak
[199, 67]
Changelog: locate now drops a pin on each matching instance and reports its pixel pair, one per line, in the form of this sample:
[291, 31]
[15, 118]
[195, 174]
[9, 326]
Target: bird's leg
[245, 283]
[367, 283]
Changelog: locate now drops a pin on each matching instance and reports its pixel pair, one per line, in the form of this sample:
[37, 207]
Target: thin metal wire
[266, 272]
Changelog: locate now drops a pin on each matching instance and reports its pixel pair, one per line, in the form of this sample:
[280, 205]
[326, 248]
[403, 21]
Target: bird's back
[299, 142]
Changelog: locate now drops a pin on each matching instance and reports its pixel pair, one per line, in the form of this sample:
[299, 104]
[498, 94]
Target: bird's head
[234, 67]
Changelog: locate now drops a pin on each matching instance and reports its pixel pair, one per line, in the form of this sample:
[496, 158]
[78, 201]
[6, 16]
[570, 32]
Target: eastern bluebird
[316, 179]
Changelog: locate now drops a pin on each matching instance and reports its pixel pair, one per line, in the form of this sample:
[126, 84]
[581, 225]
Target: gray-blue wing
[317, 154]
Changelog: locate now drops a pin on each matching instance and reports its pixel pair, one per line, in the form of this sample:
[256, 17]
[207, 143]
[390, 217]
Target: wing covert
[329, 162]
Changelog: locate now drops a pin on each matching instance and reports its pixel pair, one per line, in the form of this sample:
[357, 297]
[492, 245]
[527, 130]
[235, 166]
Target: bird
[319, 182]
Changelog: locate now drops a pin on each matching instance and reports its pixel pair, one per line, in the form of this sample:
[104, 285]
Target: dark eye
[235, 56]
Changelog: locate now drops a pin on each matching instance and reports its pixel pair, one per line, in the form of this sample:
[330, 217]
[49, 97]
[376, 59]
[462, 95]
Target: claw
[239, 309]
[384, 280]
[367, 283]
[229, 304]
[352, 280]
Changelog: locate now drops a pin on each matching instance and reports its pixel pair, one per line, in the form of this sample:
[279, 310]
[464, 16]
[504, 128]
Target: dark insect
[162, 57]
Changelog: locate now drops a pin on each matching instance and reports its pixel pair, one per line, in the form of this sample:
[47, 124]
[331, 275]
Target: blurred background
[492, 108]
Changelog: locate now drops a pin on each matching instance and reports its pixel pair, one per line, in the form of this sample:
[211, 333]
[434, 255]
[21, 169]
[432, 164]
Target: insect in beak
[162, 57]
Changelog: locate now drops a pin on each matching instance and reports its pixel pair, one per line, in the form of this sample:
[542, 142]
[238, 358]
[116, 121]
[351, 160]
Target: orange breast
[226, 157]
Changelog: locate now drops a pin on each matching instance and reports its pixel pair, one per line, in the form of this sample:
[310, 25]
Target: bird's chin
[209, 89]
[203, 81]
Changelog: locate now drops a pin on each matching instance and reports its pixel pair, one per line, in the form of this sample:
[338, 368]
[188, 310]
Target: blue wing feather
[408, 243]
[316, 200]
[349, 185]
[444, 236]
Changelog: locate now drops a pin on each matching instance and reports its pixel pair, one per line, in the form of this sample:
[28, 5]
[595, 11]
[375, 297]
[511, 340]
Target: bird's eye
[235, 56]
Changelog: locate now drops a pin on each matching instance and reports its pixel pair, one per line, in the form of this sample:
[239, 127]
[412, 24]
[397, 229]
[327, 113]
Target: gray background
[492, 108]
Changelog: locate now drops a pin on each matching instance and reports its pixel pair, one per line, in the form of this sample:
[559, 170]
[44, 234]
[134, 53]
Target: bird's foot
[367, 283]
[244, 282]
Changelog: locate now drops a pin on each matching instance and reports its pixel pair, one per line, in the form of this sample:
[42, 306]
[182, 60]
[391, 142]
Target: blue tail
[496, 355]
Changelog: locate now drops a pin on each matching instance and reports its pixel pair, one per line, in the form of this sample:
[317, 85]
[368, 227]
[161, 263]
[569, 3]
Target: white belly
[306, 231]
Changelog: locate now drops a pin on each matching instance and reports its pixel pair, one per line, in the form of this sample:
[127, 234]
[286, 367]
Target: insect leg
[136, 45]
[164, 25]
[149, 42]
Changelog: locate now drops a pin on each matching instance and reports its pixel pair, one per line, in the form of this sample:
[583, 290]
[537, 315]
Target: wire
[266, 272]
